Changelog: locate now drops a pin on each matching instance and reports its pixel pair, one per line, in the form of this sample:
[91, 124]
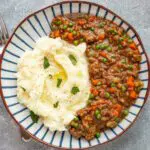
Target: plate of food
[74, 75]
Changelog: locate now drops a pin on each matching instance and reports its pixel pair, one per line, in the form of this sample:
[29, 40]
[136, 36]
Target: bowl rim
[55, 4]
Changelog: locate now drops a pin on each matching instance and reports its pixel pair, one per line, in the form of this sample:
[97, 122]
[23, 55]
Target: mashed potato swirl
[37, 86]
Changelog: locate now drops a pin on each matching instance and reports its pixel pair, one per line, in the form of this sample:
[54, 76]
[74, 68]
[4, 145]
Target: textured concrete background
[136, 12]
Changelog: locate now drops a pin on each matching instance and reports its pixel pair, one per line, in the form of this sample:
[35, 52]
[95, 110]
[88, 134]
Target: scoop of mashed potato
[53, 81]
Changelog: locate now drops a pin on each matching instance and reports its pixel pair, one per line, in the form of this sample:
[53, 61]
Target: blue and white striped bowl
[23, 39]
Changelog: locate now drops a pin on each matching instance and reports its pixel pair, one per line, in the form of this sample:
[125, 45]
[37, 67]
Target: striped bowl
[23, 39]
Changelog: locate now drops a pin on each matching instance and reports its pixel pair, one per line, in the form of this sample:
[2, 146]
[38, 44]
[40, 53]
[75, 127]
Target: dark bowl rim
[64, 2]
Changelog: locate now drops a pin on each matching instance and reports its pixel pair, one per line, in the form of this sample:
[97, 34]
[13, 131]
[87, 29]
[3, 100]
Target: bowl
[23, 38]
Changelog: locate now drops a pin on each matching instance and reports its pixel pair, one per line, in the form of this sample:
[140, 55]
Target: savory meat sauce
[113, 67]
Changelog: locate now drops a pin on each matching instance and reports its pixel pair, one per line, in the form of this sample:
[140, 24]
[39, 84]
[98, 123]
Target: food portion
[53, 81]
[113, 68]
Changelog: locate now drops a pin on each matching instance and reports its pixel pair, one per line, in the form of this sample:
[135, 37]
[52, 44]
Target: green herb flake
[73, 59]
[34, 117]
[23, 89]
[56, 104]
[50, 76]
[59, 82]
[46, 63]
[75, 90]
[91, 96]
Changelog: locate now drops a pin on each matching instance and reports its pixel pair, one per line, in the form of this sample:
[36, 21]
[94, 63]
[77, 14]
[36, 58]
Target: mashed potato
[55, 92]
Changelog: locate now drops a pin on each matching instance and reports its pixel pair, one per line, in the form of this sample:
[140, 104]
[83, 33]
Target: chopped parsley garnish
[91, 96]
[50, 76]
[75, 90]
[56, 104]
[59, 82]
[34, 117]
[73, 59]
[46, 63]
[23, 89]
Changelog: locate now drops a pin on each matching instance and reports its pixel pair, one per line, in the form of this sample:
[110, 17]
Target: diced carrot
[81, 21]
[70, 36]
[92, 18]
[130, 82]
[56, 33]
[112, 90]
[115, 113]
[91, 89]
[130, 78]
[117, 107]
[101, 36]
[95, 82]
[124, 43]
[94, 91]
[101, 53]
[133, 46]
[133, 95]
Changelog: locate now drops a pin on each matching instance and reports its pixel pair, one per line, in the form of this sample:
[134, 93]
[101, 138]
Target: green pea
[130, 67]
[104, 60]
[70, 30]
[102, 24]
[58, 22]
[99, 83]
[113, 56]
[97, 111]
[91, 96]
[116, 119]
[107, 95]
[130, 41]
[89, 102]
[120, 46]
[53, 27]
[103, 46]
[97, 135]
[121, 39]
[70, 24]
[82, 40]
[74, 124]
[76, 119]
[74, 32]
[97, 114]
[123, 88]
[113, 85]
[109, 49]
[65, 27]
[75, 42]
[114, 32]
[126, 112]
[92, 29]
[97, 46]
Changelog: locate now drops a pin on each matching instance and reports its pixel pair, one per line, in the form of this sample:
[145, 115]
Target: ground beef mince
[113, 67]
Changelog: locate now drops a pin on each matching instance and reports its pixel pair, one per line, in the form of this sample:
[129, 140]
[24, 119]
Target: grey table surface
[137, 13]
